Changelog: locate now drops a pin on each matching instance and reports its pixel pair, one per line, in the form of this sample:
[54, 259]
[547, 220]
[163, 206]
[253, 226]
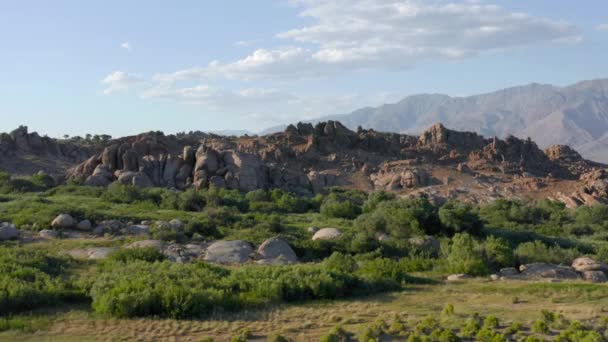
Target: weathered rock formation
[439, 164]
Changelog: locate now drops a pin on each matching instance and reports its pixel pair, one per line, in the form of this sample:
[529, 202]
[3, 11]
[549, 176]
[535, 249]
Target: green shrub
[242, 335]
[459, 217]
[375, 198]
[498, 253]
[336, 334]
[540, 327]
[147, 254]
[490, 322]
[276, 337]
[471, 327]
[537, 251]
[465, 256]
[30, 279]
[121, 193]
[340, 209]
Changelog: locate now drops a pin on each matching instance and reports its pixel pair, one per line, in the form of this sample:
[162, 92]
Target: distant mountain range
[576, 115]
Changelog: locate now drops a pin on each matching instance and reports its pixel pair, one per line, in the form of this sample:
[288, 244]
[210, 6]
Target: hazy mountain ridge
[575, 115]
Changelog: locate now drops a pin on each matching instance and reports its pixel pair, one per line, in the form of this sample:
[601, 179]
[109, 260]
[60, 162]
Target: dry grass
[510, 301]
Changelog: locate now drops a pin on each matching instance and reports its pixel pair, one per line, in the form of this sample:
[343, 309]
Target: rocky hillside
[576, 115]
[439, 164]
[22, 152]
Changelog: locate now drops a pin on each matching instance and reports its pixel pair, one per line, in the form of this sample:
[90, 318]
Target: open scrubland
[122, 263]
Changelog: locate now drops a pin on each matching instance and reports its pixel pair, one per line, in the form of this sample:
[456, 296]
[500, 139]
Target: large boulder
[327, 234]
[48, 234]
[138, 229]
[543, 270]
[63, 221]
[8, 231]
[183, 253]
[584, 264]
[277, 248]
[84, 225]
[229, 252]
[137, 179]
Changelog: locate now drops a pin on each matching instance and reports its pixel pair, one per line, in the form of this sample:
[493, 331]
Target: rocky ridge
[439, 164]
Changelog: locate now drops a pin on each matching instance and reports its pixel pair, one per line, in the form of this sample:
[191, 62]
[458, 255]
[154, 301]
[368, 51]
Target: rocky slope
[575, 115]
[22, 152]
[439, 164]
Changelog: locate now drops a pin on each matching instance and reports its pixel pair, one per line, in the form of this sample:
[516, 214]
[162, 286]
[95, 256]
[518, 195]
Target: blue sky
[123, 67]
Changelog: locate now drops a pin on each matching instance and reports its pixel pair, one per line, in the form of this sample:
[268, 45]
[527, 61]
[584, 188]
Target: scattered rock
[508, 272]
[327, 234]
[8, 231]
[594, 276]
[138, 229]
[183, 253]
[84, 225]
[543, 270]
[457, 277]
[275, 248]
[229, 252]
[48, 234]
[95, 253]
[63, 221]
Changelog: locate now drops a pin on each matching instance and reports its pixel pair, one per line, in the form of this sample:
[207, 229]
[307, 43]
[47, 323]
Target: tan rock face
[306, 159]
[584, 264]
[275, 248]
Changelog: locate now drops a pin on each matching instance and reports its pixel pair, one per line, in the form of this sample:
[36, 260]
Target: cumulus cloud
[351, 35]
[120, 81]
[126, 46]
[602, 27]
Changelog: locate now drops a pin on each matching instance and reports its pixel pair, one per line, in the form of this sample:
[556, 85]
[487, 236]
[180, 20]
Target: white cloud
[602, 27]
[219, 98]
[126, 46]
[386, 35]
[120, 81]
[262, 107]
[246, 43]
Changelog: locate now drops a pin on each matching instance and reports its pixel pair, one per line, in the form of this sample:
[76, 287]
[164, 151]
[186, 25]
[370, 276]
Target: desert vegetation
[387, 245]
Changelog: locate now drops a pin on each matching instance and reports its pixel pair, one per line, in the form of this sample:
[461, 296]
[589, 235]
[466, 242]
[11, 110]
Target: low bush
[147, 254]
[537, 251]
[31, 279]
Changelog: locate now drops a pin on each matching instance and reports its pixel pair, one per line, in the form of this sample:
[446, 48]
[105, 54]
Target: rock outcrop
[276, 250]
[64, 221]
[543, 270]
[327, 234]
[229, 252]
[306, 159]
